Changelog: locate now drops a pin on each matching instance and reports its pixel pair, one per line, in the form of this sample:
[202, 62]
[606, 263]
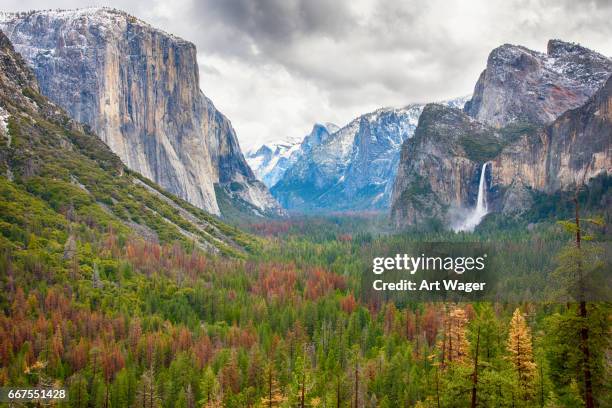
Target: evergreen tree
[273, 396]
[77, 390]
[147, 395]
[580, 273]
[521, 355]
[209, 388]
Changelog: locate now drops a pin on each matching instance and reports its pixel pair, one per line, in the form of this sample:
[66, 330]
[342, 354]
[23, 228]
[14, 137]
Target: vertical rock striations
[440, 166]
[576, 146]
[59, 175]
[542, 120]
[137, 87]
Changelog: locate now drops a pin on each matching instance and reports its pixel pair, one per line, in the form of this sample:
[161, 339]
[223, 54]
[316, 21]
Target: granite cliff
[137, 88]
[542, 122]
[522, 85]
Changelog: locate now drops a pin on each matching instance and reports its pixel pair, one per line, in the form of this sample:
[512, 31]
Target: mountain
[352, 168]
[521, 85]
[137, 88]
[59, 182]
[533, 148]
[271, 161]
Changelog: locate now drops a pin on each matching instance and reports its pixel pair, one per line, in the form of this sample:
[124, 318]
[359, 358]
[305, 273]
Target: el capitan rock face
[522, 85]
[137, 87]
[535, 140]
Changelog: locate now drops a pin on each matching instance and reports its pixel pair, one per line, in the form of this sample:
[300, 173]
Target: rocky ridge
[272, 160]
[59, 179]
[522, 85]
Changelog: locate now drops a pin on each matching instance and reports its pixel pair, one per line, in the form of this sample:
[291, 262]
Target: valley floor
[124, 322]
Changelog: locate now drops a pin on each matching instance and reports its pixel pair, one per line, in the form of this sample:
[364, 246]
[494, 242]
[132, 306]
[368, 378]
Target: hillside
[61, 185]
[87, 304]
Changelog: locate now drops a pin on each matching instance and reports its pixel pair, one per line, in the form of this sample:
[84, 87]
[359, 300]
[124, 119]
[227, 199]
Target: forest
[119, 321]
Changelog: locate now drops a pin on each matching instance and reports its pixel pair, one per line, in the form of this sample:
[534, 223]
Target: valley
[145, 261]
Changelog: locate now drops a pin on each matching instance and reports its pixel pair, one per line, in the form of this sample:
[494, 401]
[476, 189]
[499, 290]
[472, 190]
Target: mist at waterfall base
[468, 220]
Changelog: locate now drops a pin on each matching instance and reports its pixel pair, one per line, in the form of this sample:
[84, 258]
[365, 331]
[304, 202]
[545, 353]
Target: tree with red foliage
[431, 324]
[230, 376]
[348, 303]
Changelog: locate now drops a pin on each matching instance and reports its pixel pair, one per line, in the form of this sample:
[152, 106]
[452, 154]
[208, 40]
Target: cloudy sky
[275, 67]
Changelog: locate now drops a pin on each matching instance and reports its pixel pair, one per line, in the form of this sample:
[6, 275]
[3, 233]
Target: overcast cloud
[275, 67]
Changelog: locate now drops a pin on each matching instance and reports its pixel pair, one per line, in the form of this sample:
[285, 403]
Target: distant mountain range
[272, 160]
[335, 169]
[541, 120]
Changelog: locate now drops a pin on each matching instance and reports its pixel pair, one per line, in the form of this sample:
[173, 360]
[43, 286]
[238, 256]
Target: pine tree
[454, 344]
[147, 396]
[209, 387]
[521, 355]
[576, 263]
[273, 396]
[300, 386]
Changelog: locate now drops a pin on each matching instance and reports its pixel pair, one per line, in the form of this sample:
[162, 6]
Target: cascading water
[478, 213]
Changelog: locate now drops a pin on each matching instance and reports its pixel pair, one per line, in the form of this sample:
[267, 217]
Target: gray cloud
[272, 21]
[276, 66]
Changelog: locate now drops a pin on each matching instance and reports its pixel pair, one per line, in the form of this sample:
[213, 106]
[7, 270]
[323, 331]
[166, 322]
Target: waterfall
[477, 214]
[481, 202]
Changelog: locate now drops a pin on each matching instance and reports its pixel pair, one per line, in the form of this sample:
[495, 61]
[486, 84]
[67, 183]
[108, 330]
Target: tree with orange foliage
[390, 316]
[111, 362]
[430, 324]
[521, 355]
[274, 397]
[230, 376]
[454, 345]
[182, 340]
[203, 350]
[18, 308]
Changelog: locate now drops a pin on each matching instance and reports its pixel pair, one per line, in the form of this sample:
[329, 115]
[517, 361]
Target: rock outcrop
[575, 147]
[522, 85]
[137, 87]
[440, 166]
[541, 129]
